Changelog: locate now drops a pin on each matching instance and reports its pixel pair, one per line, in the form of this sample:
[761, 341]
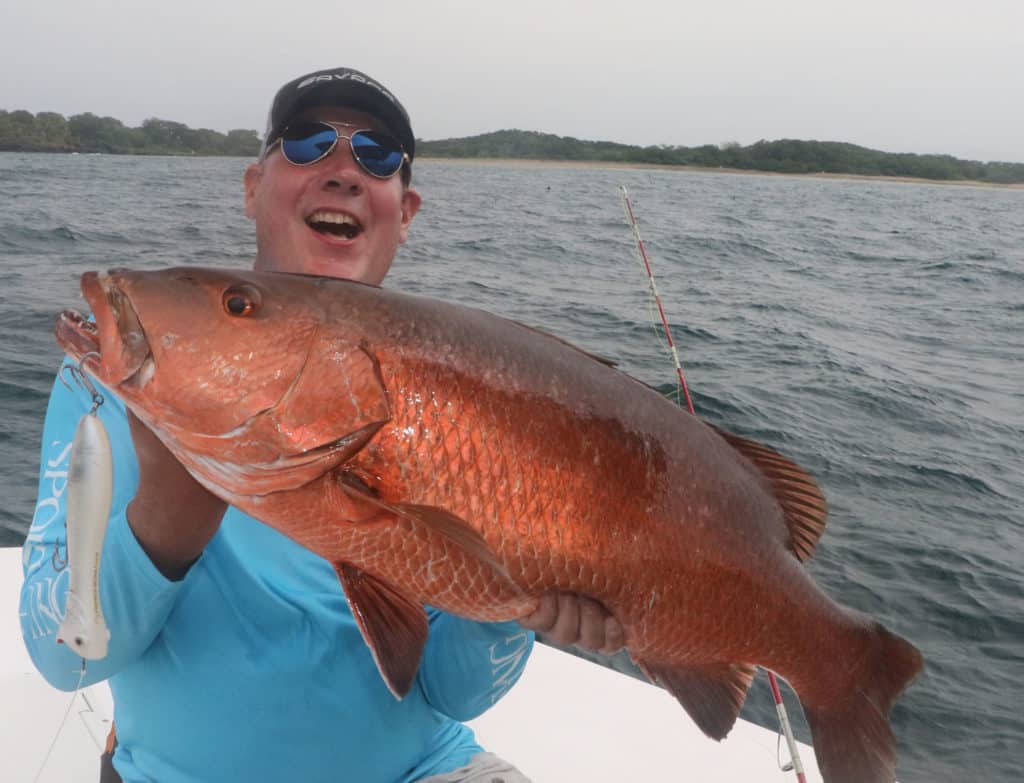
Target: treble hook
[60, 562]
[82, 379]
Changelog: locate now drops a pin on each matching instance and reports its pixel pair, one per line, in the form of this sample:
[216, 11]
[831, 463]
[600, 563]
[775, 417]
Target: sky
[925, 76]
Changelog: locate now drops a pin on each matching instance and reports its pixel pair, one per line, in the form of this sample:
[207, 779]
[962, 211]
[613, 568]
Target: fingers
[542, 619]
[614, 636]
[591, 625]
[567, 619]
[557, 616]
[566, 628]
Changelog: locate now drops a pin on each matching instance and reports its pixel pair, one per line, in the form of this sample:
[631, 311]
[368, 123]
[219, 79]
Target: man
[233, 654]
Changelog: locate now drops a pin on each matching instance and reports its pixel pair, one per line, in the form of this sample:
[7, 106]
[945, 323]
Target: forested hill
[51, 132]
[787, 156]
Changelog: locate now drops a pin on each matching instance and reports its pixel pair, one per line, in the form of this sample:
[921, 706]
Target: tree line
[51, 132]
[788, 156]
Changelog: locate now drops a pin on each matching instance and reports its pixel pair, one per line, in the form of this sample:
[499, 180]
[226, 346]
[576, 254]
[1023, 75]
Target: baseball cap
[345, 87]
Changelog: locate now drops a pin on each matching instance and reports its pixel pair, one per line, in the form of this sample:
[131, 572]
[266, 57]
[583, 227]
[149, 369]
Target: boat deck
[566, 720]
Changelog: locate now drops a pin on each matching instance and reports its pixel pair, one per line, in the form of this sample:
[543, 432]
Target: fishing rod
[642, 252]
[780, 708]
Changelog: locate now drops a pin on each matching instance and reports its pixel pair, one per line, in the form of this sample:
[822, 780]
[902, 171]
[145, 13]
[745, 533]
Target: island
[23, 131]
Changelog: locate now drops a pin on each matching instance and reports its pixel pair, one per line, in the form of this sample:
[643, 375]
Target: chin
[323, 267]
[343, 268]
[360, 268]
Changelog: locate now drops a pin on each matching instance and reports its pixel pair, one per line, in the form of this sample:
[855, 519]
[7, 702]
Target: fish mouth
[114, 348]
[76, 335]
[334, 223]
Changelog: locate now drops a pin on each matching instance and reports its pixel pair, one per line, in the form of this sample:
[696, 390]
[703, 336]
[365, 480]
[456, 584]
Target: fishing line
[653, 288]
[60, 728]
[780, 708]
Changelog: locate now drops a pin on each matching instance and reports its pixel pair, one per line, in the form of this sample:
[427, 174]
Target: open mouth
[76, 335]
[117, 335]
[336, 224]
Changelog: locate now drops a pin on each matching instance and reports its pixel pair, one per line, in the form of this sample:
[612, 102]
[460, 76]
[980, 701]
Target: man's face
[293, 207]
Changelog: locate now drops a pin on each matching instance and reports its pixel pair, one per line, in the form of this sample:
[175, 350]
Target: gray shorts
[482, 768]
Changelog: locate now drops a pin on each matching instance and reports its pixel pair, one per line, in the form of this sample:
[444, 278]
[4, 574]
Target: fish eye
[240, 301]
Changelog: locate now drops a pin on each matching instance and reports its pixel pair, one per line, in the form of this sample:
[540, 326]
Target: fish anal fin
[712, 694]
[802, 501]
[393, 626]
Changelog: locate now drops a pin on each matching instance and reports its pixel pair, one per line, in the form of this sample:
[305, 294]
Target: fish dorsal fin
[712, 694]
[802, 501]
[393, 626]
[594, 356]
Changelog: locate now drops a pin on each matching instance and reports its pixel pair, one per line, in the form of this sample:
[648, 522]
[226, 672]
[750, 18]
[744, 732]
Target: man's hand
[172, 515]
[567, 618]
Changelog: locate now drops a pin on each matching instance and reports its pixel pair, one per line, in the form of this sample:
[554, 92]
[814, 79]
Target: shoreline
[603, 164]
[600, 164]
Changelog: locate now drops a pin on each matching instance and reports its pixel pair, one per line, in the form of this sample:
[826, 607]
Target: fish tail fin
[853, 740]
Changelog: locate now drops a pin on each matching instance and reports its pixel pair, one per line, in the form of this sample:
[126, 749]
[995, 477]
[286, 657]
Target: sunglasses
[379, 154]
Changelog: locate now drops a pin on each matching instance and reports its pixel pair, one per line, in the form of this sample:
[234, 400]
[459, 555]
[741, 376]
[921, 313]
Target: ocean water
[873, 331]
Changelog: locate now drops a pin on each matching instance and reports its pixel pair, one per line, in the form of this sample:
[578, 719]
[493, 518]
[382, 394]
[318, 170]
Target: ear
[410, 206]
[253, 177]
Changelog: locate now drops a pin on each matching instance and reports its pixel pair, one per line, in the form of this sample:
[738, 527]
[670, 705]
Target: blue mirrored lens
[308, 142]
[378, 153]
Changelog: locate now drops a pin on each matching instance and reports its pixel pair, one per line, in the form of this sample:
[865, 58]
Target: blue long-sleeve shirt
[251, 668]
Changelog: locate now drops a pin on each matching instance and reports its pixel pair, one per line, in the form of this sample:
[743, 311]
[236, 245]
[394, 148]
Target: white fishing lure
[89, 494]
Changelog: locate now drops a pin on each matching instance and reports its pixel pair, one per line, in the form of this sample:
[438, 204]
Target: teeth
[337, 218]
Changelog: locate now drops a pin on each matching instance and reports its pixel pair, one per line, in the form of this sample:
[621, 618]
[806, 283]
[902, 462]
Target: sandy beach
[598, 164]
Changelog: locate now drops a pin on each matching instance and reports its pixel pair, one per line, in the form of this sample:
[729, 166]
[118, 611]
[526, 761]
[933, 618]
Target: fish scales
[591, 494]
[439, 454]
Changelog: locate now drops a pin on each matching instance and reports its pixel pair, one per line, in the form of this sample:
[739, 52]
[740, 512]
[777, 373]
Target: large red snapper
[439, 454]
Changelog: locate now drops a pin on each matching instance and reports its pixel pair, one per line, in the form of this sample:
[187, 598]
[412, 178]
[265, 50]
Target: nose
[341, 172]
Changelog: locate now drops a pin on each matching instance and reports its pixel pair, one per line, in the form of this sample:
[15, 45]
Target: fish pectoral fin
[802, 501]
[393, 626]
[712, 694]
[455, 531]
[460, 535]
